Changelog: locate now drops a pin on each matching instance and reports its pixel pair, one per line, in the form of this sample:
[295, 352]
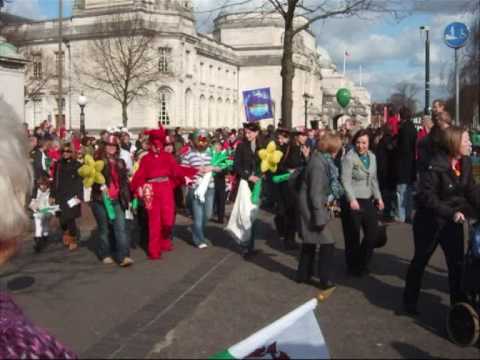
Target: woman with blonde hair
[446, 196]
[19, 338]
[319, 187]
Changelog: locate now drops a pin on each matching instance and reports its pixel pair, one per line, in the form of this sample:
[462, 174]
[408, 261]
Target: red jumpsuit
[158, 175]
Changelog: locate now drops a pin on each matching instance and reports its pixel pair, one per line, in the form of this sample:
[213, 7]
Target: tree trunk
[124, 114]
[288, 73]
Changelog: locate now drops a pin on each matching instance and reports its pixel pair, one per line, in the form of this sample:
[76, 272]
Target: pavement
[194, 303]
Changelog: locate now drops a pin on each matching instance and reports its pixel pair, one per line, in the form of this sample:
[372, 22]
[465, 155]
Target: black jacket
[441, 193]
[428, 147]
[124, 196]
[246, 162]
[406, 153]
[38, 170]
[66, 185]
[385, 153]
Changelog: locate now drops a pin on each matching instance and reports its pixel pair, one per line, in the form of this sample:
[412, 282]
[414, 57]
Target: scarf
[336, 188]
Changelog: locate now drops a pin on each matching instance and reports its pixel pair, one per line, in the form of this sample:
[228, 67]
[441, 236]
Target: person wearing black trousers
[447, 195]
[362, 196]
[220, 196]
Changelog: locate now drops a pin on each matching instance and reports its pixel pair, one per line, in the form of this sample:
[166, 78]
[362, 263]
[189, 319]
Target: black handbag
[381, 240]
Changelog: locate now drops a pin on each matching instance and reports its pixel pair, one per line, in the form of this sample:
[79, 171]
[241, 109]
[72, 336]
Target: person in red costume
[154, 182]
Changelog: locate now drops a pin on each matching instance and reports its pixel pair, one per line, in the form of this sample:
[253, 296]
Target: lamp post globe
[82, 102]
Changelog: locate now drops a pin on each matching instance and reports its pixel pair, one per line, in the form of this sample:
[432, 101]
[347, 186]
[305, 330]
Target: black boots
[325, 264]
[39, 243]
[305, 263]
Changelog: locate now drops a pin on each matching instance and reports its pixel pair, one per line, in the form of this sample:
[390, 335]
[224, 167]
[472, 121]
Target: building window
[164, 59]
[60, 58]
[211, 75]
[202, 72]
[164, 115]
[37, 66]
[188, 63]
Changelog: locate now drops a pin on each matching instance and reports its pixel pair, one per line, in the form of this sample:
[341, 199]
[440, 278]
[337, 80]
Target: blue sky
[388, 50]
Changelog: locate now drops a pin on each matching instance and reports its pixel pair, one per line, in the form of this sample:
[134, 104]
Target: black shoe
[248, 254]
[37, 247]
[289, 245]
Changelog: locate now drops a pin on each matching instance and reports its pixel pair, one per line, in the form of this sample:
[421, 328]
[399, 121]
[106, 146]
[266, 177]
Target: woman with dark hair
[359, 178]
[446, 196]
[116, 188]
[67, 192]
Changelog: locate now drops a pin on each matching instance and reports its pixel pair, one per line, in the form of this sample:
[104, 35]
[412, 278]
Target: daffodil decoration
[270, 157]
[91, 172]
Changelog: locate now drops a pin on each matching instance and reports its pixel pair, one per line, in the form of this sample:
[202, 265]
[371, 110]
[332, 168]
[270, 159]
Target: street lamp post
[82, 102]
[67, 44]
[306, 97]
[427, 68]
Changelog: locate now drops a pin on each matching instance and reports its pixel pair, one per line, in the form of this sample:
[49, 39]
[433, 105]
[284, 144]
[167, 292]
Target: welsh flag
[296, 335]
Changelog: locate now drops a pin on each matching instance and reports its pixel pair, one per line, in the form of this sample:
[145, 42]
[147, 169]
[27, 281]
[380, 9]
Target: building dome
[8, 50]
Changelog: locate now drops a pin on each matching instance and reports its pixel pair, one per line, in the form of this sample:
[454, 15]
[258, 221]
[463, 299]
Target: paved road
[194, 303]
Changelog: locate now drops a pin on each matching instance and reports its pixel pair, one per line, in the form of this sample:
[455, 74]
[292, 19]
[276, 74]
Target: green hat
[199, 133]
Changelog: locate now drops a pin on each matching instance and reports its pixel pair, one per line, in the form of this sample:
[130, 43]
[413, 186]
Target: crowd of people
[365, 176]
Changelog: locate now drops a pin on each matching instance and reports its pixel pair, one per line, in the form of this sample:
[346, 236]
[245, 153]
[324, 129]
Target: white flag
[297, 335]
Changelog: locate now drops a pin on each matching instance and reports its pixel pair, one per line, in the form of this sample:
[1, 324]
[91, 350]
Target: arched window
[203, 112]
[228, 113]
[211, 112]
[165, 99]
[188, 108]
[220, 113]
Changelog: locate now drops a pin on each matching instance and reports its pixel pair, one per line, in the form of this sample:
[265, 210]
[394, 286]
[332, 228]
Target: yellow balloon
[99, 165]
[84, 171]
[99, 179]
[88, 159]
[263, 154]
[270, 157]
[88, 182]
[271, 147]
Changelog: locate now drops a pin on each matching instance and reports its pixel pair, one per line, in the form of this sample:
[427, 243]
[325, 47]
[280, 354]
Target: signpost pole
[457, 90]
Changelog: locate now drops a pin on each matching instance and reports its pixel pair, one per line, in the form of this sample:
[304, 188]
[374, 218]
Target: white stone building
[12, 72]
[203, 75]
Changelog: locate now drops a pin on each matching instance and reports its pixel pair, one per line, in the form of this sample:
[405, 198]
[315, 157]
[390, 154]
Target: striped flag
[296, 335]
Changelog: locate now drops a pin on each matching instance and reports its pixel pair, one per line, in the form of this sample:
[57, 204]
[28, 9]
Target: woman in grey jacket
[362, 193]
[318, 188]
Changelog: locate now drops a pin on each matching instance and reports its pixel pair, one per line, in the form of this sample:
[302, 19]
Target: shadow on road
[408, 351]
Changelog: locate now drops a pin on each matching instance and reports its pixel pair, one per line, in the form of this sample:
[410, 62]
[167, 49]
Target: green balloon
[343, 97]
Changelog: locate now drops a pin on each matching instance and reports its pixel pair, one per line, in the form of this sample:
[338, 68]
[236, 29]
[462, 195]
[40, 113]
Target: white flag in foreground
[296, 335]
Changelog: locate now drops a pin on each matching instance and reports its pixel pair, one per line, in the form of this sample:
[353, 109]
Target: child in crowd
[42, 213]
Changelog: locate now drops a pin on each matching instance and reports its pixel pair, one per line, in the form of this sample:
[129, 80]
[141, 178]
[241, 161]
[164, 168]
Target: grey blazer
[312, 198]
[358, 181]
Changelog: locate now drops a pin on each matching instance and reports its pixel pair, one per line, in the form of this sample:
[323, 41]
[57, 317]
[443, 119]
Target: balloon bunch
[91, 172]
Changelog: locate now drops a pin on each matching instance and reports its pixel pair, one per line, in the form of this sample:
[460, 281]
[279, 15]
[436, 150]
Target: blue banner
[257, 104]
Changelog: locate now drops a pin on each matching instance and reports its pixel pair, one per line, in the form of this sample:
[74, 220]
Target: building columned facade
[201, 76]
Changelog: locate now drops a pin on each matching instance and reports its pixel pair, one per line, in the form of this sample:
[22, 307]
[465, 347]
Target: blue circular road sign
[456, 35]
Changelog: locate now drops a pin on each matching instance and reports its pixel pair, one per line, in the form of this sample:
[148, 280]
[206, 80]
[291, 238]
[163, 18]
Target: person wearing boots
[67, 192]
[319, 187]
[117, 189]
[40, 202]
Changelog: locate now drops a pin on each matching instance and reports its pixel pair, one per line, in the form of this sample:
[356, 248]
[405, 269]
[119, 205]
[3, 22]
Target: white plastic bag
[202, 187]
[244, 212]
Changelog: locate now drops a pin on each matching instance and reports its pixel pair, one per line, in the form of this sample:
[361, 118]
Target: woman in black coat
[447, 195]
[67, 192]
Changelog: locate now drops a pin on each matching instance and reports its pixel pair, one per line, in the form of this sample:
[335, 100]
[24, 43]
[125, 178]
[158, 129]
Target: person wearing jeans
[116, 189]
[201, 209]
[201, 214]
[122, 242]
[404, 202]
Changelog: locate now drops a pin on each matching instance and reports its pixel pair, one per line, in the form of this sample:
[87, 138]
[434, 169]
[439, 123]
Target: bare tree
[40, 70]
[405, 94]
[122, 61]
